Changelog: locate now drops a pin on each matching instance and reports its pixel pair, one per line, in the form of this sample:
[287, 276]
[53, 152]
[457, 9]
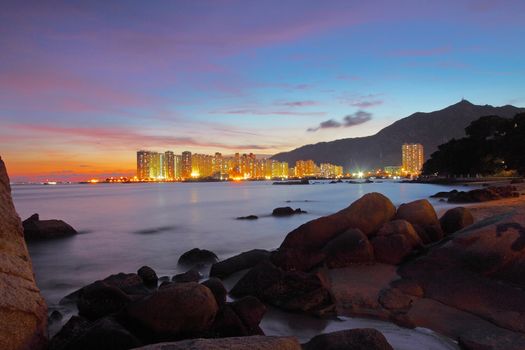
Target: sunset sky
[85, 84]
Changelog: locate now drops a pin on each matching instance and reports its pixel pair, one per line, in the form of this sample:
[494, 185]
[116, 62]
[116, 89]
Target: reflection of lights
[93, 181]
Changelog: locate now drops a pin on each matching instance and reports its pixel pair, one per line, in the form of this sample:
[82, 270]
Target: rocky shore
[458, 273]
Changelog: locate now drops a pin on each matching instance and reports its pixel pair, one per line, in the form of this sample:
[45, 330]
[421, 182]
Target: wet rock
[301, 249]
[218, 290]
[197, 256]
[456, 219]
[350, 247]
[249, 217]
[129, 283]
[100, 299]
[239, 262]
[55, 316]
[188, 276]
[149, 276]
[233, 343]
[228, 324]
[23, 311]
[251, 311]
[73, 329]
[290, 290]
[104, 334]
[358, 339]
[286, 211]
[34, 228]
[419, 212]
[444, 194]
[178, 311]
[484, 194]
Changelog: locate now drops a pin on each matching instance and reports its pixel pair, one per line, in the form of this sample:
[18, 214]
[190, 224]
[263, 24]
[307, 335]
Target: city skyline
[84, 85]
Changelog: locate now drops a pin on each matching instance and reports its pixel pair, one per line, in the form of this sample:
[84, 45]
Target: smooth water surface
[125, 226]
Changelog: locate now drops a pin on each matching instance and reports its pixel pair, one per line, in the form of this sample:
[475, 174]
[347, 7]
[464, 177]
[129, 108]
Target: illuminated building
[304, 168]
[394, 170]
[218, 165]
[143, 164]
[186, 165]
[150, 165]
[178, 166]
[169, 165]
[201, 165]
[412, 155]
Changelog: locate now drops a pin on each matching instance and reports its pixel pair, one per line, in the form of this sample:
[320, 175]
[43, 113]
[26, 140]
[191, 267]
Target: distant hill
[384, 148]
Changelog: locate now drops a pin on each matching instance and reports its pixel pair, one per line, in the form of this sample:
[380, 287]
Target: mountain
[384, 148]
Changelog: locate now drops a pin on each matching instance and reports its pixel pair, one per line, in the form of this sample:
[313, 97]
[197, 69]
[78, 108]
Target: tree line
[492, 145]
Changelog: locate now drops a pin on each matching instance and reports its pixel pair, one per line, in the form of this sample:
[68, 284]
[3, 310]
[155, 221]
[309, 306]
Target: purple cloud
[350, 120]
[298, 103]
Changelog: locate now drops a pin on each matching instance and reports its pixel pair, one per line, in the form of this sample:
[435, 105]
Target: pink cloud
[268, 112]
[305, 103]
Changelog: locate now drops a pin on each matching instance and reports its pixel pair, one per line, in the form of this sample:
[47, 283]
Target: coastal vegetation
[493, 145]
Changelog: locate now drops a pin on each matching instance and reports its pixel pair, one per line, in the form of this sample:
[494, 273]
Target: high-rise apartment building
[143, 164]
[413, 158]
[169, 165]
[186, 165]
[178, 167]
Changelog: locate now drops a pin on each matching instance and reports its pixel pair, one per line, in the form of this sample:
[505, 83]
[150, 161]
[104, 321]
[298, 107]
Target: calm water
[125, 226]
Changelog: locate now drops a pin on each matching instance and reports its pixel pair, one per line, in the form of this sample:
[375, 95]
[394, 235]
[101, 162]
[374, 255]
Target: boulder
[239, 262]
[289, 290]
[286, 211]
[478, 271]
[23, 311]
[130, 283]
[100, 299]
[408, 286]
[395, 299]
[456, 219]
[188, 276]
[197, 256]
[355, 339]
[228, 324]
[250, 310]
[34, 228]
[350, 247]
[367, 214]
[419, 212]
[392, 249]
[401, 227]
[73, 329]
[149, 277]
[218, 290]
[178, 311]
[105, 334]
[234, 343]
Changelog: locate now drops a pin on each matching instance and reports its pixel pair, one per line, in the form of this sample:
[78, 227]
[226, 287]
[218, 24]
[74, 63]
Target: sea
[125, 226]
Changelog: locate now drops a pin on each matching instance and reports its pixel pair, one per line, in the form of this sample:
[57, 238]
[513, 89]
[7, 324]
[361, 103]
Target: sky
[85, 84]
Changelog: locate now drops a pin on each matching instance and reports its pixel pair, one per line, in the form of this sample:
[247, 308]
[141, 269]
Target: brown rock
[401, 227]
[408, 286]
[34, 228]
[456, 219]
[188, 276]
[394, 299]
[355, 339]
[179, 310]
[100, 299]
[23, 311]
[350, 247]
[149, 276]
[367, 214]
[250, 310]
[217, 288]
[237, 343]
[392, 249]
[239, 262]
[419, 212]
[290, 290]
[197, 256]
